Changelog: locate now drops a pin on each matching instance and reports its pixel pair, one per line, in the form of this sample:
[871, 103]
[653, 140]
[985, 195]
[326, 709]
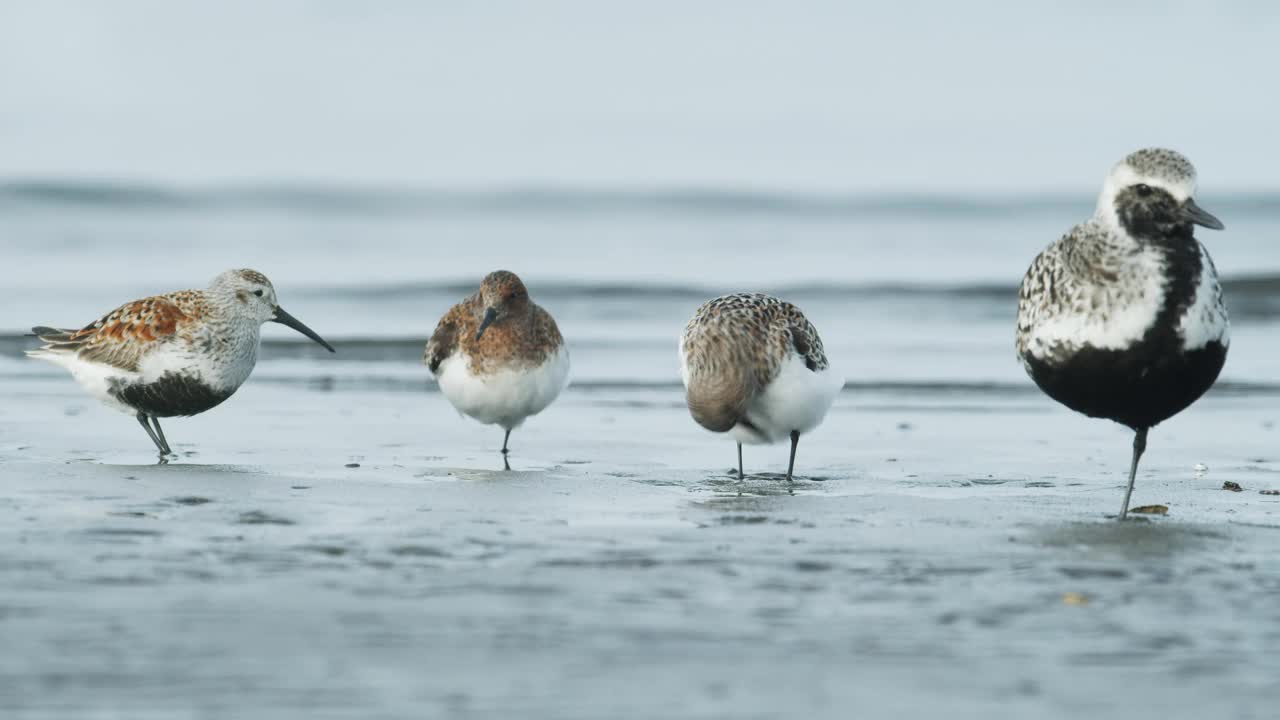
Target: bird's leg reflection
[506, 465]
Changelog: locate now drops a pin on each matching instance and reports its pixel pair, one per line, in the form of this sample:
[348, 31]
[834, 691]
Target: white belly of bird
[797, 399]
[505, 397]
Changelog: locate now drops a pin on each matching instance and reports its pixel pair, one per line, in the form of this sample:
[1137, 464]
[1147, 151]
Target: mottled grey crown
[239, 279]
[1162, 164]
[253, 276]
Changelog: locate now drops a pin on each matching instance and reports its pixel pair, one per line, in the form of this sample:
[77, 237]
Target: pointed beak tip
[290, 321]
[1199, 216]
[489, 316]
[1211, 223]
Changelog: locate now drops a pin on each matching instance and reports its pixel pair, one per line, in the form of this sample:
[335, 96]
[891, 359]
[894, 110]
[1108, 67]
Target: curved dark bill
[489, 316]
[288, 320]
[1199, 216]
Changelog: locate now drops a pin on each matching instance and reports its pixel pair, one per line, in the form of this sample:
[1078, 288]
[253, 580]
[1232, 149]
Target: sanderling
[171, 355]
[1123, 317]
[498, 356]
[753, 366]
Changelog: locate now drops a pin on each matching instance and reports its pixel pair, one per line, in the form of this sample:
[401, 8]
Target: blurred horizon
[829, 98]
[69, 188]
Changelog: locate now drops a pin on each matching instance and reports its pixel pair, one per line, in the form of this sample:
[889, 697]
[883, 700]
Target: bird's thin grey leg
[163, 441]
[795, 440]
[142, 420]
[1139, 445]
[506, 465]
[742, 478]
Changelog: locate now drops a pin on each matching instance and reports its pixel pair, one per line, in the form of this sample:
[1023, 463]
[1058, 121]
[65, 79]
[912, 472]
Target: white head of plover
[1123, 317]
[753, 366]
[171, 355]
[498, 356]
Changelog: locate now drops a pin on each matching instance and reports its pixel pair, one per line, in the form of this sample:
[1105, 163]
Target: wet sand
[358, 553]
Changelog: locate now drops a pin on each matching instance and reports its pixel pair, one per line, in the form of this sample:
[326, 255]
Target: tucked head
[248, 293]
[502, 294]
[1152, 192]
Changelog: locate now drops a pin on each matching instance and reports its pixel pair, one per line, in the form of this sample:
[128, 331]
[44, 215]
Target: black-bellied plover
[499, 357]
[753, 366]
[170, 355]
[1123, 318]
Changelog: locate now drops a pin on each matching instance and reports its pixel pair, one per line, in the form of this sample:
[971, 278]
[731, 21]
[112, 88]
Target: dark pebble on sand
[191, 500]
[256, 517]
[743, 519]
[1232, 486]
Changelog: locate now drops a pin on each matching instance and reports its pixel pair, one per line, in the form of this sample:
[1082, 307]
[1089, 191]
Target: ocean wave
[873, 392]
[1251, 297]
[321, 199]
[567, 290]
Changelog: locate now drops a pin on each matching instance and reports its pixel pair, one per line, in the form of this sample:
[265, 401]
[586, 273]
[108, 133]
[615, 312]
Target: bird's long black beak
[1198, 215]
[489, 316]
[288, 320]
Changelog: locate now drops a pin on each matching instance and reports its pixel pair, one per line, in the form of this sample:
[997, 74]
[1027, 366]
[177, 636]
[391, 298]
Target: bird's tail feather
[57, 342]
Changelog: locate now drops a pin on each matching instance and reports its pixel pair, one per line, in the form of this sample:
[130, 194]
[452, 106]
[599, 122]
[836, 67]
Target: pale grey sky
[830, 96]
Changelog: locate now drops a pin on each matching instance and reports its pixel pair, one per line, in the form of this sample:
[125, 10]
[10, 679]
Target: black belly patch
[1140, 386]
[173, 395]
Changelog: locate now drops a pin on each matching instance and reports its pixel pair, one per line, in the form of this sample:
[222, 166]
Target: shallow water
[943, 553]
[335, 542]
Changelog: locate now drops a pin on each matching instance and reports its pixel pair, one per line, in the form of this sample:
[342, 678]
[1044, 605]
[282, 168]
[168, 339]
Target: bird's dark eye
[258, 293]
[511, 295]
[1143, 189]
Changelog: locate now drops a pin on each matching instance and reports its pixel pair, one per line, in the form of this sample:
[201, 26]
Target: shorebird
[172, 355]
[753, 367]
[1123, 318]
[498, 357]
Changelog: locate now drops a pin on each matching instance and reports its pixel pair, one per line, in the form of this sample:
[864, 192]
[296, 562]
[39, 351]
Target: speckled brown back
[124, 336]
[735, 346]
